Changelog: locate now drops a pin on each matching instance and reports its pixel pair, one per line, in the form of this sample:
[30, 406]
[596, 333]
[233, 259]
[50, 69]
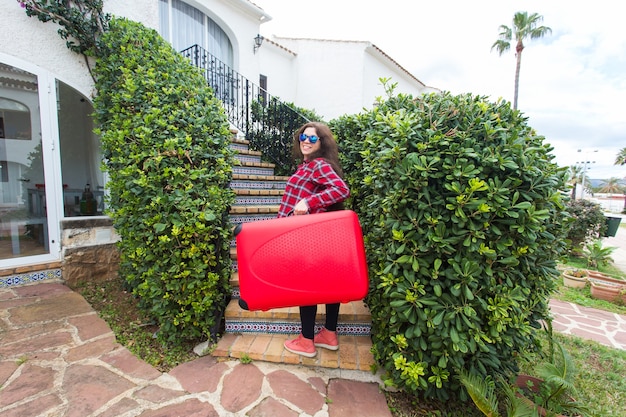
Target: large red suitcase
[301, 260]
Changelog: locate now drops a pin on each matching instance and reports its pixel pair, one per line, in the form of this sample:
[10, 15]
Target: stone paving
[58, 358]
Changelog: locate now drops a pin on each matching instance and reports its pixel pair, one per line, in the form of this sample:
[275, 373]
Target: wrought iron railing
[266, 122]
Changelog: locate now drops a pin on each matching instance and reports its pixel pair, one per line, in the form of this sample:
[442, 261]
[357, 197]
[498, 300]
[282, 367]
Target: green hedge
[588, 223]
[463, 219]
[165, 141]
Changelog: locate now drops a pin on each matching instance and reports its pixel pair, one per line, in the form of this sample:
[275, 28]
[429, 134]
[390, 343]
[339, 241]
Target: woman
[315, 187]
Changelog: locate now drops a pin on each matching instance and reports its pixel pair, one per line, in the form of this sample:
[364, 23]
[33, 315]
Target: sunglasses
[311, 138]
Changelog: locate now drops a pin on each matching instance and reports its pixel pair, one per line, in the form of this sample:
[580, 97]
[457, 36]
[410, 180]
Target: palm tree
[524, 26]
[575, 177]
[611, 186]
[621, 157]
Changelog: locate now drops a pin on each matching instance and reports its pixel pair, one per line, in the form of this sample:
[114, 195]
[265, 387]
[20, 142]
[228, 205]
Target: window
[185, 26]
[263, 92]
[14, 120]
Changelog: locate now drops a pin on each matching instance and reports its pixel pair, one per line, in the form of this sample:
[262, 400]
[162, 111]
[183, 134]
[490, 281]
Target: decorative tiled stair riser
[15, 280]
[257, 200]
[253, 169]
[246, 184]
[259, 335]
[293, 328]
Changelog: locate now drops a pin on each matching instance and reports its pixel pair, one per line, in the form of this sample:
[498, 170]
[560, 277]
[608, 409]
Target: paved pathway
[58, 358]
[606, 328]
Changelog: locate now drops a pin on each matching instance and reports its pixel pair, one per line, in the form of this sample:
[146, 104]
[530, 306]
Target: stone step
[242, 149]
[258, 182]
[246, 214]
[258, 192]
[248, 156]
[354, 319]
[354, 352]
[30, 274]
[258, 198]
[238, 137]
[254, 168]
[259, 335]
[264, 178]
[237, 146]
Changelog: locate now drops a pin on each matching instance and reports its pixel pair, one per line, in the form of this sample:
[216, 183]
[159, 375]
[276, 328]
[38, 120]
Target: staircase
[259, 335]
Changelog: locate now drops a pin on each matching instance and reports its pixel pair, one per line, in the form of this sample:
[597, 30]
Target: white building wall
[41, 45]
[143, 11]
[331, 77]
[335, 78]
[327, 81]
[278, 64]
[377, 66]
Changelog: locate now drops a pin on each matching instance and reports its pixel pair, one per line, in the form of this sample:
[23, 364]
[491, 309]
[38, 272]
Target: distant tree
[621, 157]
[611, 186]
[576, 176]
[524, 26]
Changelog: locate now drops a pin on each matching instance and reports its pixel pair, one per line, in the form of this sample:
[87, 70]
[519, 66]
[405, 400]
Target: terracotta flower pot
[596, 274]
[608, 290]
[531, 383]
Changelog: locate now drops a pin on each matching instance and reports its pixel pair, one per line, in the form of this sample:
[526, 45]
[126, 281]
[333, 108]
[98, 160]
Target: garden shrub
[588, 223]
[461, 209]
[165, 141]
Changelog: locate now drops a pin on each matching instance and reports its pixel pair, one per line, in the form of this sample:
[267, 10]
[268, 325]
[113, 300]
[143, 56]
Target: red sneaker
[301, 346]
[326, 339]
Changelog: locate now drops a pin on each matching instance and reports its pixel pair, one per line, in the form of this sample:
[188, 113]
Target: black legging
[307, 318]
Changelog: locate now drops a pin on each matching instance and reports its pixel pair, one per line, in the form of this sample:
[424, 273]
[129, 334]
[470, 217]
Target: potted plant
[482, 391]
[548, 393]
[552, 390]
[607, 287]
[597, 254]
[574, 277]
[609, 290]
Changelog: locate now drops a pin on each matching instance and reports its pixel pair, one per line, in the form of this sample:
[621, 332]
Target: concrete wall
[89, 249]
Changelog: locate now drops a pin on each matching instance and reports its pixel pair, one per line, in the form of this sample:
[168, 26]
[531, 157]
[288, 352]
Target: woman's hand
[301, 208]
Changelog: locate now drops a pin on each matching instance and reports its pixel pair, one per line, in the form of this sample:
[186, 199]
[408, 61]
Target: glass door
[23, 213]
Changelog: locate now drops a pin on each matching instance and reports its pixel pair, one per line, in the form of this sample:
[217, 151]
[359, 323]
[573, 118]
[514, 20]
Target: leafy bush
[597, 254]
[461, 211]
[588, 223]
[165, 142]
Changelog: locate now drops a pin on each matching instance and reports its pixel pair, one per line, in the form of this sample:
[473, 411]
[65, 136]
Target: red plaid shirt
[318, 183]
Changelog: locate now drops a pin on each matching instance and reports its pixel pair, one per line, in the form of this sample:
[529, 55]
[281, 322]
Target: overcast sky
[572, 82]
